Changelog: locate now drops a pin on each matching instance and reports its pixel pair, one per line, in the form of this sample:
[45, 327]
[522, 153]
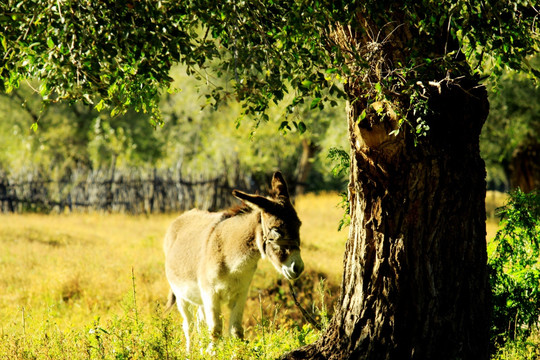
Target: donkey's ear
[254, 200]
[279, 186]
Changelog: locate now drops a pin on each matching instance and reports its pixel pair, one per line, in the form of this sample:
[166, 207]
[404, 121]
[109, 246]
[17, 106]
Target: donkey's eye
[274, 234]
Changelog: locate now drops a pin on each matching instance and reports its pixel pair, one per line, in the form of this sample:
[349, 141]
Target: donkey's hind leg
[185, 309]
[200, 318]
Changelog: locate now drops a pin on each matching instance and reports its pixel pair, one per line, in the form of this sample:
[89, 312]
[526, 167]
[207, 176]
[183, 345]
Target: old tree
[415, 280]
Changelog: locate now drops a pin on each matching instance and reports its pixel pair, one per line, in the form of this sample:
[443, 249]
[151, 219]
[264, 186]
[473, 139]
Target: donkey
[210, 257]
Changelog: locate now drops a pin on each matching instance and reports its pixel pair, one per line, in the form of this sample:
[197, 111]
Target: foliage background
[193, 136]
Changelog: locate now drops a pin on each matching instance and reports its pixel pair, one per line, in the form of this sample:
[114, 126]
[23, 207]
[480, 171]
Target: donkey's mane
[237, 210]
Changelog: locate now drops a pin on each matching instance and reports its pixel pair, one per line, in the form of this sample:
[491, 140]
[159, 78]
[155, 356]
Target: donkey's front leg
[237, 312]
[212, 314]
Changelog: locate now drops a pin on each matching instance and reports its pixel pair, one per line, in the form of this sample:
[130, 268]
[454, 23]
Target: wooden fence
[132, 191]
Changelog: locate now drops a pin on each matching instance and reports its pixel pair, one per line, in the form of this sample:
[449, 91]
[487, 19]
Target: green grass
[129, 334]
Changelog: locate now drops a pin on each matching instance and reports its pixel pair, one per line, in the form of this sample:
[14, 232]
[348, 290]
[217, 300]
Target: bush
[515, 269]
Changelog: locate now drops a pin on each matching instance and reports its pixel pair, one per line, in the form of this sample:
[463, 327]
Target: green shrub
[515, 269]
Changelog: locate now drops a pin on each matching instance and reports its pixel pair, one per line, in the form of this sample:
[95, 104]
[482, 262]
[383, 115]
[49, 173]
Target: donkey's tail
[171, 300]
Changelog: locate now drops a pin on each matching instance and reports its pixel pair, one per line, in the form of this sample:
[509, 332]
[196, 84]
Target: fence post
[110, 194]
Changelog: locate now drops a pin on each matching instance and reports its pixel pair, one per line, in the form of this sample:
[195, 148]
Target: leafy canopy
[118, 54]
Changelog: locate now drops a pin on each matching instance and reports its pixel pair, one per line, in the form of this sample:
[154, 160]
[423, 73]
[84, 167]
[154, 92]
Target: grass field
[83, 286]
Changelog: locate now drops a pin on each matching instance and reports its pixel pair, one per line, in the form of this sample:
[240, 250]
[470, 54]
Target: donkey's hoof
[210, 350]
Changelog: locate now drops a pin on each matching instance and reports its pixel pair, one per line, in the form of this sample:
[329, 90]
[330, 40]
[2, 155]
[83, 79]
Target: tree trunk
[415, 277]
[305, 163]
[525, 167]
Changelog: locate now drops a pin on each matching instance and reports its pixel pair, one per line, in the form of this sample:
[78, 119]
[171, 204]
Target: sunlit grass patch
[80, 286]
[66, 287]
[88, 273]
[133, 334]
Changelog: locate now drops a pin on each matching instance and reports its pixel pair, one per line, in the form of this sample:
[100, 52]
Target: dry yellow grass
[494, 200]
[324, 245]
[67, 270]
[70, 269]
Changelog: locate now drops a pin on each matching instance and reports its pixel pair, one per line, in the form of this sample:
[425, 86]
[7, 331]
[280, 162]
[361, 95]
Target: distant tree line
[76, 137]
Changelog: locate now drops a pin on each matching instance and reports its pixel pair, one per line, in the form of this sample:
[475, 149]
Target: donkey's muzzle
[294, 269]
[298, 268]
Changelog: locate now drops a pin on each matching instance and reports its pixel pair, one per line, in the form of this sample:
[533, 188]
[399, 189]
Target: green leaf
[362, 116]
[297, 100]
[50, 43]
[4, 42]
[100, 105]
[315, 103]
[302, 127]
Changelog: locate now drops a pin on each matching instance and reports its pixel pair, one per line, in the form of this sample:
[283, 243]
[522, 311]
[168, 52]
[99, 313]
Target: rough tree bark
[415, 280]
[415, 276]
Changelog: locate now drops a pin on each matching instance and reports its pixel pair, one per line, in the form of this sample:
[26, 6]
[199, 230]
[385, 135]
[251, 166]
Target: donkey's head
[280, 240]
